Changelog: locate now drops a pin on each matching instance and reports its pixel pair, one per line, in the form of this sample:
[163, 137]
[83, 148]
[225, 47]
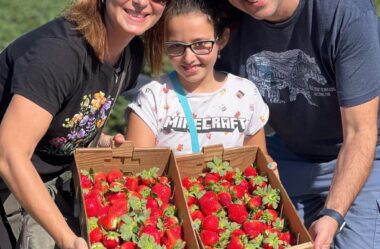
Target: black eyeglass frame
[163, 2]
[189, 45]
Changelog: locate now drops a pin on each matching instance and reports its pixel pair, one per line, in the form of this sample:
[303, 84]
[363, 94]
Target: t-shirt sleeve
[260, 113]
[358, 61]
[46, 73]
[146, 107]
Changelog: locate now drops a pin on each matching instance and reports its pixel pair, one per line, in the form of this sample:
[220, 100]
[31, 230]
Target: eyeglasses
[198, 47]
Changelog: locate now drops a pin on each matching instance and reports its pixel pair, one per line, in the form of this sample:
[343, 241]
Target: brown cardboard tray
[133, 160]
[241, 157]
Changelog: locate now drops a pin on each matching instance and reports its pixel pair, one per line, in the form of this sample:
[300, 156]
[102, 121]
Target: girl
[197, 105]
[57, 86]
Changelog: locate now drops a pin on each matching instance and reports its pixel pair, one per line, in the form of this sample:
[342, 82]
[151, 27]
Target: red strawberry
[162, 192]
[285, 237]
[143, 190]
[170, 221]
[174, 232]
[209, 238]
[85, 180]
[269, 215]
[237, 191]
[148, 177]
[92, 206]
[128, 245]
[235, 243]
[96, 235]
[108, 222]
[249, 172]
[191, 200]
[197, 214]
[187, 182]
[257, 181]
[272, 241]
[151, 203]
[237, 232]
[111, 240]
[163, 180]
[230, 176]
[254, 202]
[114, 175]
[224, 198]
[253, 227]
[152, 231]
[209, 203]
[100, 177]
[210, 222]
[119, 208]
[131, 183]
[237, 213]
[210, 179]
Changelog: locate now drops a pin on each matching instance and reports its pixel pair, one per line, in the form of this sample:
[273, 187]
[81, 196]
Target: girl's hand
[273, 166]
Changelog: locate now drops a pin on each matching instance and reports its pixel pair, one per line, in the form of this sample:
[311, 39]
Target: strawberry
[119, 207]
[116, 196]
[148, 177]
[230, 176]
[209, 238]
[131, 183]
[197, 214]
[269, 215]
[253, 227]
[254, 202]
[162, 192]
[187, 182]
[250, 172]
[272, 242]
[235, 243]
[170, 221]
[114, 175]
[272, 198]
[237, 232]
[111, 240]
[191, 200]
[210, 179]
[209, 203]
[237, 213]
[285, 237]
[92, 206]
[128, 245]
[257, 181]
[151, 203]
[224, 198]
[108, 222]
[100, 177]
[163, 180]
[237, 191]
[210, 222]
[143, 190]
[174, 232]
[152, 231]
[85, 180]
[95, 235]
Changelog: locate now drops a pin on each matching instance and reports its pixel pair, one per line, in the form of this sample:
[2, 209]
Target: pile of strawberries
[130, 212]
[235, 210]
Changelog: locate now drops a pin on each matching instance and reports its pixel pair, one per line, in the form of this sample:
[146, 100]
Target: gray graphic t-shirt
[326, 56]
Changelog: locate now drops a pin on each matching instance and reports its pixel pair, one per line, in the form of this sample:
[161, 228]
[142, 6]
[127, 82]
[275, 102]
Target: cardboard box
[241, 157]
[133, 160]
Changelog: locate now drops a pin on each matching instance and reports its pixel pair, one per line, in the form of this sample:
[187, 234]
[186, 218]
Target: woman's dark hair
[220, 12]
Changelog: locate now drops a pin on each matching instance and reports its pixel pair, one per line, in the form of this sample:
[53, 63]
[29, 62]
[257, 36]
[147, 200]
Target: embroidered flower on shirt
[237, 114]
[179, 147]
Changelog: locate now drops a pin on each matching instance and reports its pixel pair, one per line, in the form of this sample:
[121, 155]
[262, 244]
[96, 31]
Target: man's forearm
[353, 167]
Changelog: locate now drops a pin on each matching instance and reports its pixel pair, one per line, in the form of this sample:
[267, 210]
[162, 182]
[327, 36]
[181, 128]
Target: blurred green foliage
[20, 16]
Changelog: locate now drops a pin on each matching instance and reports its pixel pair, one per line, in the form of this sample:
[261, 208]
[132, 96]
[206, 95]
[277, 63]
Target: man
[317, 65]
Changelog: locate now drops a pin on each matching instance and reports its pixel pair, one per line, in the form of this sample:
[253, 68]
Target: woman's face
[132, 17]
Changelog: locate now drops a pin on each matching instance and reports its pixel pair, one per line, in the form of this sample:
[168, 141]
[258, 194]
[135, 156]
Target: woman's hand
[108, 140]
[79, 243]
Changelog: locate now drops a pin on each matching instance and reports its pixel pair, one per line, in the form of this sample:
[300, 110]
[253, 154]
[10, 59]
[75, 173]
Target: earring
[219, 55]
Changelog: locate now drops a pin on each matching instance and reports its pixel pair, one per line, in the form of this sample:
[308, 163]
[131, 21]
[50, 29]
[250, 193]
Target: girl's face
[132, 17]
[192, 28]
[269, 10]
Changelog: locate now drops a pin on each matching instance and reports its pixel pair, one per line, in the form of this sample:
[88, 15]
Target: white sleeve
[260, 113]
[146, 107]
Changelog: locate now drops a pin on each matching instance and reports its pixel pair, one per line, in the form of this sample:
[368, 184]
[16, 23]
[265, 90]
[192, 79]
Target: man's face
[269, 10]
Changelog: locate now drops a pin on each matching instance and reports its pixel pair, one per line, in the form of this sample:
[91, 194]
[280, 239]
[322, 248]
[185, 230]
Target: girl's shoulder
[240, 82]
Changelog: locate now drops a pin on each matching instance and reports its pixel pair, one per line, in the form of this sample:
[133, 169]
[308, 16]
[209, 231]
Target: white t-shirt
[224, 117]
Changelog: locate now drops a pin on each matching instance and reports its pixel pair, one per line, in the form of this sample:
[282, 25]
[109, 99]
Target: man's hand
[108, 140]
[79, 243]
[323, 231]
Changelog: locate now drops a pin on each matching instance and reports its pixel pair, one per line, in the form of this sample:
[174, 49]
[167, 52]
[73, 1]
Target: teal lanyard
[186, 108]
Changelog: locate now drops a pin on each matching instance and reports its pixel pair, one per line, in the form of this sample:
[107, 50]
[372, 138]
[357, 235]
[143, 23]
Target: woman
[57, 86]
